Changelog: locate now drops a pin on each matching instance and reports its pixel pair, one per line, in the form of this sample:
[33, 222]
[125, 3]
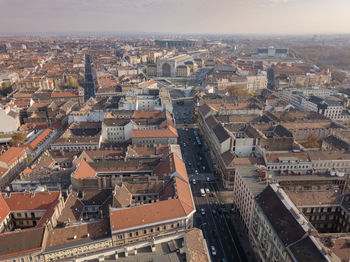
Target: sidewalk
[243, 237]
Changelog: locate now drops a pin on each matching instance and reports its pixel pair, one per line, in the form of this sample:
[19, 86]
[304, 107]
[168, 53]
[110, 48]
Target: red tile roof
[147, 114]
[84, 170]
[47, 201]
[182, 206]
[39, 139]
[144, 215]
[4, 209]
[18, 201]
[2, 171]
[170, 132]
[11, 155]
[38, 105]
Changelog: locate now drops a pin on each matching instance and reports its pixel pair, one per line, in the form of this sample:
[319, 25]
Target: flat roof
[250, 177]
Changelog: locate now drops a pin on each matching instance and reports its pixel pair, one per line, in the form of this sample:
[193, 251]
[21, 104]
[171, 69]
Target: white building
[246, 188]
[9, 121]
[8, 78]
[116, 130]
[257, 82]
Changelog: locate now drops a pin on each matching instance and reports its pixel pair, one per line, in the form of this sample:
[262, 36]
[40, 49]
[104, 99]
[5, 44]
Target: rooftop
[307, 250]
[155, 133]
[11, 155]
[283, 222]
[315, 198]
[328, 155]
[250, 176]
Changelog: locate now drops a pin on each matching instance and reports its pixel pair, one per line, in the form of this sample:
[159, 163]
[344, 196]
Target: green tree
[73, 82]
[5, 89]
[30, 159]
[312, 141]
[338, 77]
[4, 85]
[237, 90]
[18, 139]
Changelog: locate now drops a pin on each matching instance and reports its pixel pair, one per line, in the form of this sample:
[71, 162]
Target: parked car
[202, 211]
[194, 181]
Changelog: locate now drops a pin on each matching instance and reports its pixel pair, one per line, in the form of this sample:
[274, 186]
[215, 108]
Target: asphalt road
[89, 84]
[216, 225]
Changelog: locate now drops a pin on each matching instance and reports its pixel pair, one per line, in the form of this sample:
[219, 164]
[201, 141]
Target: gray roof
[204, 109]
[281, 131]
[211, 121]
[221, 133]
[306, 250]
[250, 177]
[283, 222]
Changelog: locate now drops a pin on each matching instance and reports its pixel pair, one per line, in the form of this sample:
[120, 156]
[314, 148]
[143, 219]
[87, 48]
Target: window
[164, 227]
[136, 233]
[151, 230]
[145, 231]
[130, 234]
[120, 236]
[158, 228]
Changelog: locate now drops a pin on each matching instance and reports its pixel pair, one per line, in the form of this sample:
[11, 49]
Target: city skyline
[169, 16]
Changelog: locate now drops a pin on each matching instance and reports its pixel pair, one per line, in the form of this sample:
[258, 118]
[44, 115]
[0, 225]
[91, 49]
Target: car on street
[202, 211]
[219, 210]
[215, 234]
[208, 179]
[207, 191]
[213, 211]
[194, 181]
[213, 250]
[196, 172]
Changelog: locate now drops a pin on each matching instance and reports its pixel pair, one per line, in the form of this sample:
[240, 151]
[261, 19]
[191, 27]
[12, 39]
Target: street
[89, 84]
[212, 216]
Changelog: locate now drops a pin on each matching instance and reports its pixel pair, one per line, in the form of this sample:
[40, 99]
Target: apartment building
[279, 231]
[167, 135]
[249, 182]
[41, 142]
[12, 162]
[24, 219]
[79, 136]
[116, 130]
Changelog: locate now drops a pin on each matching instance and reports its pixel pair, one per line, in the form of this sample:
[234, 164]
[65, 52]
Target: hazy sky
[178, 16]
